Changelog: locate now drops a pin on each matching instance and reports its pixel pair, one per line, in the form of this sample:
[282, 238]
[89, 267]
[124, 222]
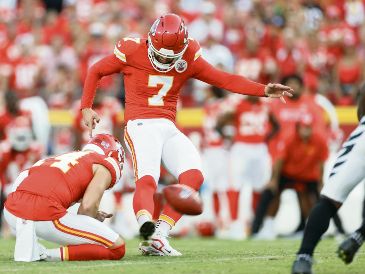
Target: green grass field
[205, 256]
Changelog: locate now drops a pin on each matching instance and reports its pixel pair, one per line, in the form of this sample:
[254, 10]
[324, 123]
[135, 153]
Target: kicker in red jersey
[154, 94]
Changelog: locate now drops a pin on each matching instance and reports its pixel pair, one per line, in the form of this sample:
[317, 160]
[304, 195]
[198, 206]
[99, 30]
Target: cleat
[158, 246]
[349, 247]
[302, 264]
[146, 230]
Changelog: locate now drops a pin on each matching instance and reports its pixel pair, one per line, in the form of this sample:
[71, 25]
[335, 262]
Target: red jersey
[290, 113]
[251, 121]
[153, 94]
[54, 184]
[303, 160]
[212, 111]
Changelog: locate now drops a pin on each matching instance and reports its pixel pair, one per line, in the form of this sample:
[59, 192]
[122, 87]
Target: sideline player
[254, 126]
[347, 172]
[154, 70]
[298, 165]
[38, 206]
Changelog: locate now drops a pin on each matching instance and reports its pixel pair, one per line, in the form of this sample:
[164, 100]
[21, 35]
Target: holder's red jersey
[251, 121]
[54, 184]
[153, 94]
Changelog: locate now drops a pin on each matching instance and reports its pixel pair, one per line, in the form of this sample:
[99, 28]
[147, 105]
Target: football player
[301, 170]
[254, 126]
[42, 194]
[154, 70]
[347, 172]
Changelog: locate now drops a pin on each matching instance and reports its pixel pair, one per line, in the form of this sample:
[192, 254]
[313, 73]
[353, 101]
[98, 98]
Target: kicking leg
[182, 160]
[145, 143]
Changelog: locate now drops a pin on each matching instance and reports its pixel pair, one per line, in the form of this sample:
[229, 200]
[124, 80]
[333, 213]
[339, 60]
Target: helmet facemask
[163, 60]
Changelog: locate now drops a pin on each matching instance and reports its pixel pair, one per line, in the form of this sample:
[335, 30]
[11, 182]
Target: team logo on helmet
[181, 65]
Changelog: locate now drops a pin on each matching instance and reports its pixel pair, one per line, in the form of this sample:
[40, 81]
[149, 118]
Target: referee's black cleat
[302, 264]
[349, 247]
[146, 230]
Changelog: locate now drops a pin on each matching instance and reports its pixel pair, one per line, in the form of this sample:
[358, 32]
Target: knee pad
[117, 253]
[193, 178]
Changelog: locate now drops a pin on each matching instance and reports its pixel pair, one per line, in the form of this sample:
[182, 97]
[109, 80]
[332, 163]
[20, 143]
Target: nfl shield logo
[181, 66]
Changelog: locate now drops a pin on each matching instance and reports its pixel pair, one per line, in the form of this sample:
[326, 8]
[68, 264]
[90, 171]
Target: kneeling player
[347, 172]
[38, 206]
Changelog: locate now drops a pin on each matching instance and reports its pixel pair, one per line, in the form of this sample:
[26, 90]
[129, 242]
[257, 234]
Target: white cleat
[158, 246]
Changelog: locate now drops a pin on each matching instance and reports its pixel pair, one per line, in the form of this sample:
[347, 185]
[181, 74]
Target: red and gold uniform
[54, 184]
[153, 94]
[150, 111]
[251, 120]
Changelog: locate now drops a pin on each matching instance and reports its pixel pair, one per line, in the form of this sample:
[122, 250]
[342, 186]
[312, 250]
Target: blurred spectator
[349, 72]
[9, 111]
[207, 24]
[255, 62]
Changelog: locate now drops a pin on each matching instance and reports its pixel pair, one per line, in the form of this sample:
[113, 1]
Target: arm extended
[106, 66]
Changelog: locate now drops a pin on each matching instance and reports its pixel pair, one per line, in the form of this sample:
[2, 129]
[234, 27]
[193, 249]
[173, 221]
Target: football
[183, 199]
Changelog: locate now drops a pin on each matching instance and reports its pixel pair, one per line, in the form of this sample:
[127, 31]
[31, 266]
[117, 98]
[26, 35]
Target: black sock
[265, 200]
[361, 229]
[317, 225]
[338, 224]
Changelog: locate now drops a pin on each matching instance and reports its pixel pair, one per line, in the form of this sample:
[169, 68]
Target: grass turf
[205, 256]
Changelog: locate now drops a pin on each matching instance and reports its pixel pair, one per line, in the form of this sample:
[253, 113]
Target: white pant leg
[215, 167]
[349, 168]
[260, 168]
[71, 229]
[144, 139]
[179, 154]
[249, 164]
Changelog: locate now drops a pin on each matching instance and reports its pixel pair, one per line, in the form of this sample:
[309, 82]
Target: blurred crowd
[317, 47]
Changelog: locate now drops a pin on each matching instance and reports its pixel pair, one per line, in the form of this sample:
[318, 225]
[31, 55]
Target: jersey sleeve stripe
[83, 234]
[119, 55]
[198, 54]
[134, 159]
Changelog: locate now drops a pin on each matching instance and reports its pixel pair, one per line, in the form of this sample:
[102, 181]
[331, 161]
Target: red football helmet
[108, 145]
[167, 42]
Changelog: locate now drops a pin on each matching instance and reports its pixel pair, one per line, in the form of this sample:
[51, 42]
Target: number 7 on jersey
[166, 84]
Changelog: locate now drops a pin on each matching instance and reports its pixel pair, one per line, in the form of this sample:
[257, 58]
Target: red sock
[143, 196]
[193, 178]
[233, 197]
[159, 202]
[216, 204]
[90, 252]
[255, 200]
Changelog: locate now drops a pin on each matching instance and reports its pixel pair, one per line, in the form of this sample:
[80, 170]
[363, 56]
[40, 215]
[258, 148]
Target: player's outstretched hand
[101, 216]
[90, 118]
[278, 91]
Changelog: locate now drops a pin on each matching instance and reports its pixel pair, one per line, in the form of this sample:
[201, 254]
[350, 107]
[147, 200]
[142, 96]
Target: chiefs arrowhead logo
[181, 66]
